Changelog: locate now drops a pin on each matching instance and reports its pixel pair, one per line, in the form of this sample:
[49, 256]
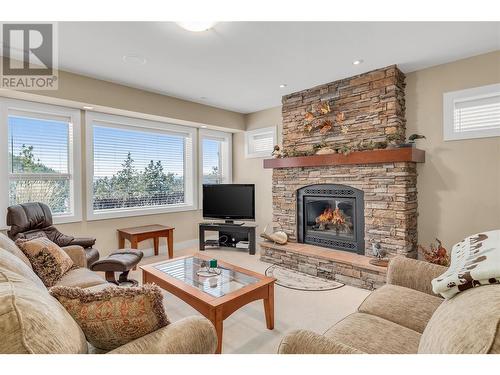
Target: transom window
[472, 113]
[40, 141]
[260, 143]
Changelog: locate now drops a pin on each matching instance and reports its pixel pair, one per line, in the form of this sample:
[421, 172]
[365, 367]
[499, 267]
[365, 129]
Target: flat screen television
[229, 202]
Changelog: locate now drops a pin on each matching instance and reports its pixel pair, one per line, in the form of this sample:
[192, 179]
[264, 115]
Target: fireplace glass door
[330, 217]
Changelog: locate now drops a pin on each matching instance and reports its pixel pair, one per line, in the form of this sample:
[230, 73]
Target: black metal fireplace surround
[331, 215]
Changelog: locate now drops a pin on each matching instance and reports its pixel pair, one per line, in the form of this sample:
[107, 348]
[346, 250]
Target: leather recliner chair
[27, 220]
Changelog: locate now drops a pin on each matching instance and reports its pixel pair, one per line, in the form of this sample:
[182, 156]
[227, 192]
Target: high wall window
[215, 160]
[260, 143]
[42, 150]
[472, 113]
[137, 167]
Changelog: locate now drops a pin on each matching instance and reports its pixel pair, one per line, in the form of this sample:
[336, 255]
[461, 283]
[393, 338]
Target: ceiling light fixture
[203, 126]
[283, 85]
[88, 107]
[357, 62]
[134, 59]
[196, 26]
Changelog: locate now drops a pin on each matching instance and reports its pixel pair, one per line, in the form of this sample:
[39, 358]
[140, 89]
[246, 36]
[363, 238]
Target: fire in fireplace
[331, 215]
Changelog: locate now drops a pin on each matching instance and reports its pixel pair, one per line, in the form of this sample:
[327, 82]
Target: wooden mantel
[406, 154]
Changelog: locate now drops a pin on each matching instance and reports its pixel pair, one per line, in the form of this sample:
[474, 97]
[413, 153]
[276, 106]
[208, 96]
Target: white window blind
[260, 142]
[137, 168]
[477, 114]
[39, 161]
[472, 113]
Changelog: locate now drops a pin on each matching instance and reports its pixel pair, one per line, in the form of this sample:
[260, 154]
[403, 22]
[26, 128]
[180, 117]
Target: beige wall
[251, 170]
[75, 90]
[459, 184]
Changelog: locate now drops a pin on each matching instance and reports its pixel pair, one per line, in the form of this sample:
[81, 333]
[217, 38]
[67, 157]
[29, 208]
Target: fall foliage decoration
[325, 108]
[309, 116]
[436, 253]
[326, 126]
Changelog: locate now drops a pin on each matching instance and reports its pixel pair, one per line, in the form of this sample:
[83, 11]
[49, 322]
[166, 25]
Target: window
[42, 149]
[260, 142]
[138, 167]
[215, 161]
[472, 113]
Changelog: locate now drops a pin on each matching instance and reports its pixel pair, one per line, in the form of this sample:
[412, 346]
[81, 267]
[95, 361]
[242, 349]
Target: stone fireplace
[331, 215]
[342, 204]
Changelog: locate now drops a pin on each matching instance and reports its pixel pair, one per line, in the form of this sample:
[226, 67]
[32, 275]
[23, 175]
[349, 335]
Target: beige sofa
[33, 322]
[405, 317]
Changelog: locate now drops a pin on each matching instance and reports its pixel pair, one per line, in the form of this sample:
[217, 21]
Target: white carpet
[245, 330]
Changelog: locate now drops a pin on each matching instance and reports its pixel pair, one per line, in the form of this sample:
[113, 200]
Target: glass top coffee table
[214, 296]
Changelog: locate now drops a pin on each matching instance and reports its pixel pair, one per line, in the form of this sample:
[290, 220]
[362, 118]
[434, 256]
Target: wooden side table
[146, 232]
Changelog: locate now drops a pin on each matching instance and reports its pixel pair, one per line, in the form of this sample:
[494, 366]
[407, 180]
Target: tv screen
[229, 201]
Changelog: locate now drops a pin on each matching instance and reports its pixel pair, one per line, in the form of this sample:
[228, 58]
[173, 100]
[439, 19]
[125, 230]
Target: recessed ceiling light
[197, 26]
[357, 62]
[283, 85]
[88, 107]
[204, 126]
[134, 59]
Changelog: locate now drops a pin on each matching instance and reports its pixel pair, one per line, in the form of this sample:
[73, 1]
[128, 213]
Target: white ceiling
[240, 65]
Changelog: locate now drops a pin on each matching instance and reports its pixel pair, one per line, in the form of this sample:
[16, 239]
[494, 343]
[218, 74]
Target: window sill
[121, 213]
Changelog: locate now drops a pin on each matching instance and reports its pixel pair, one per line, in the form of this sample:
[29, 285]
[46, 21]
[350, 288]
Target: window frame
[44, 111]
[227, 154]
[449, 100]
[250, 135]
[132, 123]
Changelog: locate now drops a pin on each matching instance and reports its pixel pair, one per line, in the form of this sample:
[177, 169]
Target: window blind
[260, 142]
[137, 167]
[477, 114]
[38, 159]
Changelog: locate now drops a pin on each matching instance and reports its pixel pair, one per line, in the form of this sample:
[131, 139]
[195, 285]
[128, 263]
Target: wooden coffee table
[215, 297]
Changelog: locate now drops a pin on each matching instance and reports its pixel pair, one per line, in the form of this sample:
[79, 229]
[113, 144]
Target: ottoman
[118, 261]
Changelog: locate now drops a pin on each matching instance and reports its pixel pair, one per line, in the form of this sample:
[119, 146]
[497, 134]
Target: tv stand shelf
[236, 230]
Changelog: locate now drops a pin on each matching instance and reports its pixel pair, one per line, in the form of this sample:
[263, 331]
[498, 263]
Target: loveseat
[33, 322]
[405, 317]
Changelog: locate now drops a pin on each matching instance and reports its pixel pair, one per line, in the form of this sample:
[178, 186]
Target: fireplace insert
[331, 215]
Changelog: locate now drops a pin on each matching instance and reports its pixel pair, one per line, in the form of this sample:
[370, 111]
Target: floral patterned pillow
[114, 316]
[48, 260]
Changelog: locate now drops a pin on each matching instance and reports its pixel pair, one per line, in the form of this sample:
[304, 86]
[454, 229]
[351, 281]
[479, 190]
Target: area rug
[300, 281]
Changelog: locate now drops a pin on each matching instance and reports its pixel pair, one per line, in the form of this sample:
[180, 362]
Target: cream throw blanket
[475, 261]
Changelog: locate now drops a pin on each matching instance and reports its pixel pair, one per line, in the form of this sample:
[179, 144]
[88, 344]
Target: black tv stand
[241, 232]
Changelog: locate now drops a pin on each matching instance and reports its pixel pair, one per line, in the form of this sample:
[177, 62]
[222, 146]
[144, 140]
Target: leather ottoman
[119, 261]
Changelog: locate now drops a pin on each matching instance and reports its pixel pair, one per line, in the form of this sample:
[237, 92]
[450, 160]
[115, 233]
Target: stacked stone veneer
[374, 106]
[390, 200]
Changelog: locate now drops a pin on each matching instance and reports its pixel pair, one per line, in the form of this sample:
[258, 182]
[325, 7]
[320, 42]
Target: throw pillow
[114, 316]
[48, 260]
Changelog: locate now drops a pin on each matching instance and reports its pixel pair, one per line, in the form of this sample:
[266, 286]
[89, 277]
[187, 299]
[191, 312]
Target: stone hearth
[373, 105]
[347, 268]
